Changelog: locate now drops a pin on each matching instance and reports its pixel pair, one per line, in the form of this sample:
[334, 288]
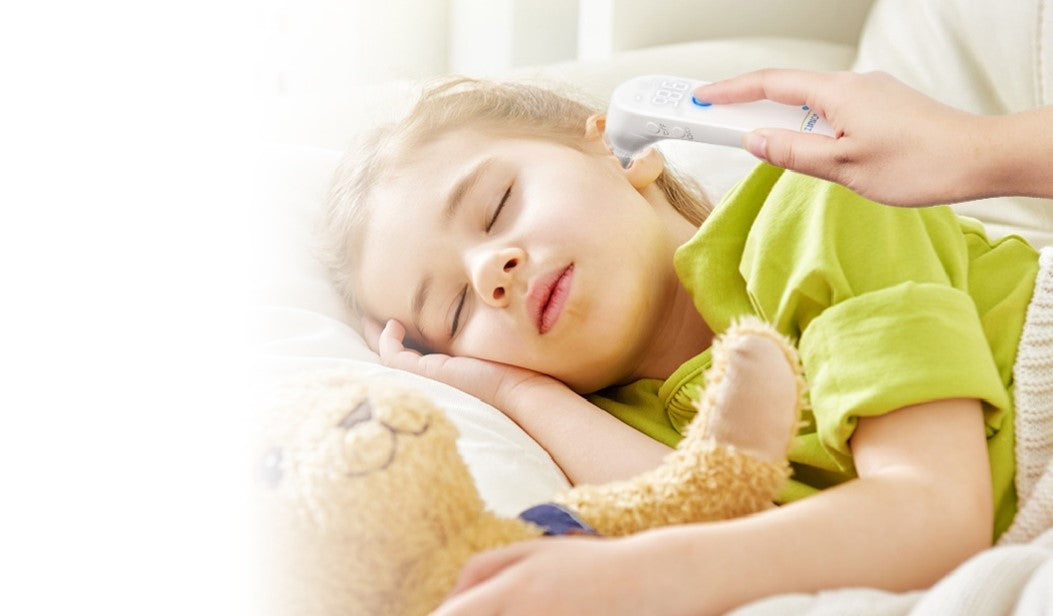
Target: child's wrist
[514, 399]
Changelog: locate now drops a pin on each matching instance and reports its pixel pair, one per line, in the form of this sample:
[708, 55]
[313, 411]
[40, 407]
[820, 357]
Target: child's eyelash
[500, 206]
[457, 312]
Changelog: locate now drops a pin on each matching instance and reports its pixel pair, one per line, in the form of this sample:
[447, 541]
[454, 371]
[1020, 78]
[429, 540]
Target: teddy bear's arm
[732, 460]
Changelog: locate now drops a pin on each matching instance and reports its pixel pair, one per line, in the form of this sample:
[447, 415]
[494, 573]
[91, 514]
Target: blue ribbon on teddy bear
[557, 520]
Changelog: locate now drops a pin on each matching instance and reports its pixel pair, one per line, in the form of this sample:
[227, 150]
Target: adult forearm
[1021, 158]
[589, 444]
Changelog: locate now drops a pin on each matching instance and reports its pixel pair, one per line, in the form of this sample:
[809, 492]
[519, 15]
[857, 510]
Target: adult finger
[790, 86]
[811, 154]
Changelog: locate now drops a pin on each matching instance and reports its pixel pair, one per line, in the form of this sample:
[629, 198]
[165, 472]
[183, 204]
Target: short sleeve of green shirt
[889, 307]
[877, 297]
[929, 344]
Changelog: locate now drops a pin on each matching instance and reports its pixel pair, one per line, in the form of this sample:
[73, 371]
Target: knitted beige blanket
[1033, 374]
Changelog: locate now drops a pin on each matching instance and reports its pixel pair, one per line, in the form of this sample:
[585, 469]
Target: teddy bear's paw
[754, 391]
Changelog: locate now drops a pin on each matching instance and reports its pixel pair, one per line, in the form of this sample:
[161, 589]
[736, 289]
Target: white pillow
[979, 56]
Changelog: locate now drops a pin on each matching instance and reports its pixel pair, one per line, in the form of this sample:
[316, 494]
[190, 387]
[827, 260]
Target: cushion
[982, 57]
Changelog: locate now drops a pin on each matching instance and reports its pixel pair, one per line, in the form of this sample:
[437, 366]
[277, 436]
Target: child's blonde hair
[511, 108]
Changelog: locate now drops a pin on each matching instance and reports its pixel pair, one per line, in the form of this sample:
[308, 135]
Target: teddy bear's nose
[363, 411]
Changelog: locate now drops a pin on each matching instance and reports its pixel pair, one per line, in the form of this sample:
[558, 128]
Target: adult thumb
[791, 149]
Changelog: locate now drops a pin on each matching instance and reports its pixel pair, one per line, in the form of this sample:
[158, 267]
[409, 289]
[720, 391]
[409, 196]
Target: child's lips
[547, 295]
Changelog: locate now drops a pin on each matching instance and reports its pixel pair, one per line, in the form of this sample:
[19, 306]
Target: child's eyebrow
[462, 188]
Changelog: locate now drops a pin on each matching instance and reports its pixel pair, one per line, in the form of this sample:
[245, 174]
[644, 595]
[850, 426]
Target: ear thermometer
[651, 108]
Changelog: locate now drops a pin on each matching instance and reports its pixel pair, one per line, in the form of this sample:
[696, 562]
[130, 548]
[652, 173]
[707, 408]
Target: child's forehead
[460, 140]
[448, 154]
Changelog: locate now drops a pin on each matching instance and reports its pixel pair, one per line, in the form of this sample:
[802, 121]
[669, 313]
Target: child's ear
[594, 127]
[644, 169]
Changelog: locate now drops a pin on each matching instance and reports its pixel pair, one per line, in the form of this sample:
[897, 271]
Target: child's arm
[587, 443]
[921, 506]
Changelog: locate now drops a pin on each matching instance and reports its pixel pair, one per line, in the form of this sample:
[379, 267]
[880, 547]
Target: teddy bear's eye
[269, 471]
[363, 411]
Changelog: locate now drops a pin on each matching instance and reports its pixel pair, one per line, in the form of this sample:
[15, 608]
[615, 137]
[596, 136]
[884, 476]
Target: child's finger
[472, 594]
[392, 352]
[390, 341]
[371, 332]
[485, 565]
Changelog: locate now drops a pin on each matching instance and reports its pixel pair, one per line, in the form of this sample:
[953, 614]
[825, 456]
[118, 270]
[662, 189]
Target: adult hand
[491, 382]
[894, 145]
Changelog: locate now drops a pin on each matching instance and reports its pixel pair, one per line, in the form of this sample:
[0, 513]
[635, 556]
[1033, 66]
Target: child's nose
[496, 274]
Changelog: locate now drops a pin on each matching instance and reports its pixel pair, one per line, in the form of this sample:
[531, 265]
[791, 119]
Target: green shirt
[888, 306]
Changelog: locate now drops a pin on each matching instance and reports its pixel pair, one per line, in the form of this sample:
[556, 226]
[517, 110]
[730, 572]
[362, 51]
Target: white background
[127, 132]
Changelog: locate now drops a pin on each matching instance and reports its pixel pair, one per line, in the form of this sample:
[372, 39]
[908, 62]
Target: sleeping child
[507, 252]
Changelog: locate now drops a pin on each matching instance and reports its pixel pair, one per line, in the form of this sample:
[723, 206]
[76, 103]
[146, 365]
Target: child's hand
[489, 381]
[588, 444]
[571, 575]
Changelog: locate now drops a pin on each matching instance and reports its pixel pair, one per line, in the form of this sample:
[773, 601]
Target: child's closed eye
[457, 311]
[500, 206]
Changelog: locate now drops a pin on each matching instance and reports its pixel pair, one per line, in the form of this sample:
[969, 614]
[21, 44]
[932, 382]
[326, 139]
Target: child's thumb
[790, 149]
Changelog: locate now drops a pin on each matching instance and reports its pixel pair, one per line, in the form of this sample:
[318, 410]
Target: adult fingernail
[756, 144]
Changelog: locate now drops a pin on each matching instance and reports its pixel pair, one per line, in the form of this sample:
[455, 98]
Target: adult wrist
[1015, 160]
[976, 168]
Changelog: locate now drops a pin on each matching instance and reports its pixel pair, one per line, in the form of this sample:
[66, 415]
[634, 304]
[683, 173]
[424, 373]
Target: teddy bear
[367, 508]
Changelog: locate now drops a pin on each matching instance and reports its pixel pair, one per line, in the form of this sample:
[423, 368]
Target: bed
[981, 56]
